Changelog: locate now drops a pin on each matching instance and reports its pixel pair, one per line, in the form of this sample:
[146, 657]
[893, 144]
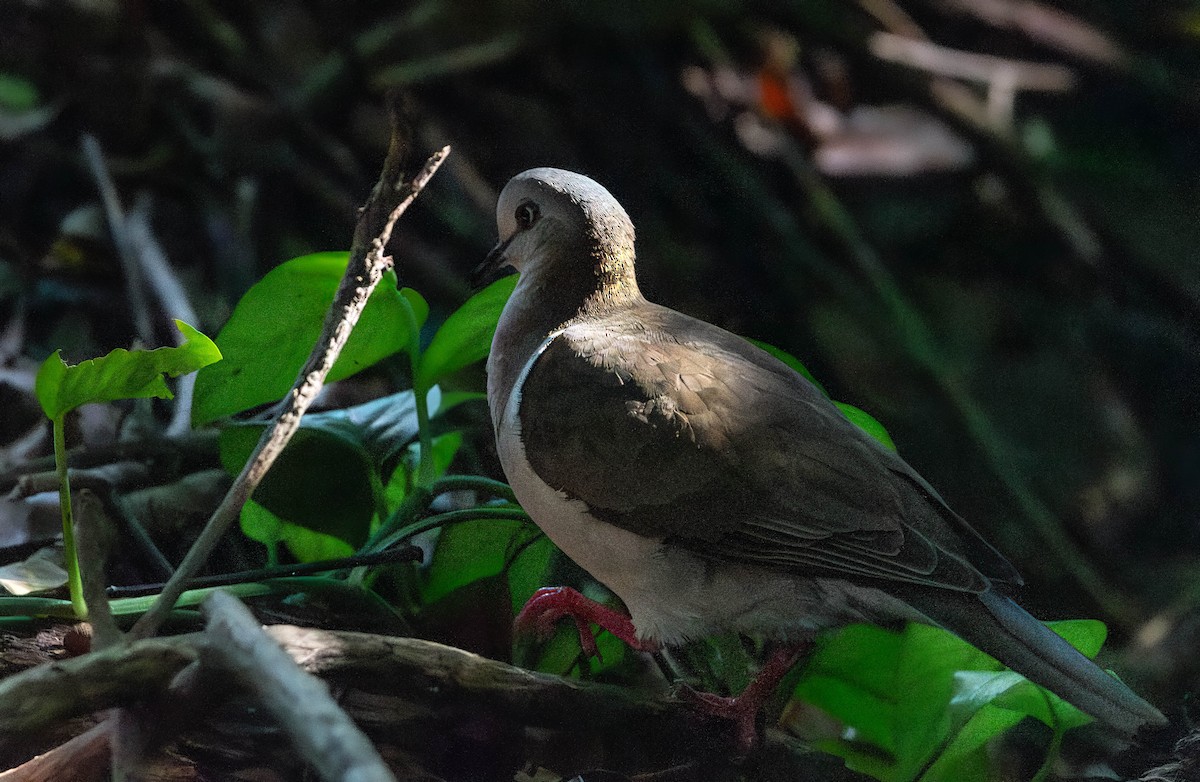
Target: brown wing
[674, 429]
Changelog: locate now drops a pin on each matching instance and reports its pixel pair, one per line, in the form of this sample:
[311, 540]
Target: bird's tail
[1010, 634]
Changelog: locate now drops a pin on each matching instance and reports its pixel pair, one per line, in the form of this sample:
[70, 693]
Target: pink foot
[550, 604]
[743, 709]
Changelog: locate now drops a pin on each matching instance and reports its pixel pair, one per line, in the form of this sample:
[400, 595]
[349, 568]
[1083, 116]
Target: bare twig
[52, 692]
[389, 200]
[970, 66]
[93, 531]
[320, 731]
[138, 300]
[163, 281]
[1045, 24]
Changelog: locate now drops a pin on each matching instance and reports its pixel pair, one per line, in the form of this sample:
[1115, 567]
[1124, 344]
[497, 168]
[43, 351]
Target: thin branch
[138, 302]
[388, 201]
[56, 691]
[1046, 25]
[93, 532]
[320, 731]
[983, 68]
[170, 293]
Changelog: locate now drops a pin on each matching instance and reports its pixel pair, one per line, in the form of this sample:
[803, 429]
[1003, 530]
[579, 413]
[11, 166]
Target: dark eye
[527, 214]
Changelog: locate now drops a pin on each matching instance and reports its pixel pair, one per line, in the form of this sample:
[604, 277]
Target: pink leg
[743, 709]
[550, 604]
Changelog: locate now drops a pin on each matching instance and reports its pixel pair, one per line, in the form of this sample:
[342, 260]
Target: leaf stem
[426, 469]
[74, 580]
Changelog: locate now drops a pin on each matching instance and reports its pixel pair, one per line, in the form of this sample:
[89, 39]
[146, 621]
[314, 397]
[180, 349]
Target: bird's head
[549, 216]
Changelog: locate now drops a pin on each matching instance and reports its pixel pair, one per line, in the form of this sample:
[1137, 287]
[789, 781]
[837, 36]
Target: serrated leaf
[122, 374]
[273, 329]
[466, 336]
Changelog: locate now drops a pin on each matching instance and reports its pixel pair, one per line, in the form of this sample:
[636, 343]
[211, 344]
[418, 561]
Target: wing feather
[675, 429]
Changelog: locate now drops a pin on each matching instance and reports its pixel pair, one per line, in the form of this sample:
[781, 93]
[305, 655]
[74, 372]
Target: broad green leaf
[929, 658]
[466, 336]
[273, 329]
[383, 427]
[260, 524]
[445, 448]
[452, 399]
[924, 698]
[966, 756]
[322, 483]
[470, 551]
[867, 712]
[1086, 635]
[527, 573]
[122, 374]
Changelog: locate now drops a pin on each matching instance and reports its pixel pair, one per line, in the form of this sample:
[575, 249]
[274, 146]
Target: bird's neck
[549, 299]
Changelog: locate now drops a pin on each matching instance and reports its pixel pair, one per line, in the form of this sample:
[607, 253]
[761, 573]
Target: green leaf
[273, 328]
[122, 374]
[868, 423]
[322, 483]
[17, 94]
[470, 551]
[966, 756]
[306, 545]
[383, 427]
[466, 336]
[924, 698]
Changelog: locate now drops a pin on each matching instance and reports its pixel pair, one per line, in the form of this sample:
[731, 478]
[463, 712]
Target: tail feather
[1000, 627]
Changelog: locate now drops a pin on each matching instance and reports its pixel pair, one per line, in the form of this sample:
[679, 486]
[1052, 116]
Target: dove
[711, 487]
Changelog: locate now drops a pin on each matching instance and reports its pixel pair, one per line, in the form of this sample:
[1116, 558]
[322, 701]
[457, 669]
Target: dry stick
[120, 234]
[59, 690]
[93, 532]
[163, 281]
[969, 66]
[323, 734]
[413, 668]
[387, 203]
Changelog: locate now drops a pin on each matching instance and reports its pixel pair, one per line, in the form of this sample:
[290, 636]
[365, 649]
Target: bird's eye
[527, 214]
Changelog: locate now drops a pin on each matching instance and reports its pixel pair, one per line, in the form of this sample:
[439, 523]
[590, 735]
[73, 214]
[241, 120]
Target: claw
[549, 604]
[743, 709]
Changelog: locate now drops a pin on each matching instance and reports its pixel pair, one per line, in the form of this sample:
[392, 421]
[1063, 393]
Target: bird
[710, 486]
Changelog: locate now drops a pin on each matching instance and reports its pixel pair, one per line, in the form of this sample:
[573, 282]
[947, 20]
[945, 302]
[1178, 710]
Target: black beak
[494, 266]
